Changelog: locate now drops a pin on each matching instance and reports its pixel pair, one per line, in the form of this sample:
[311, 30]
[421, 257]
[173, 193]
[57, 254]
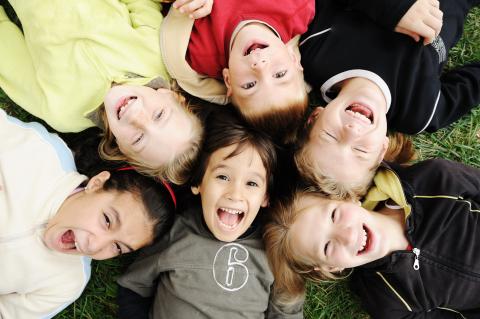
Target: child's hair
[280, 122]
[158, 199]
[290, 269]
[400, 150]
[224, 128]
[178, 169]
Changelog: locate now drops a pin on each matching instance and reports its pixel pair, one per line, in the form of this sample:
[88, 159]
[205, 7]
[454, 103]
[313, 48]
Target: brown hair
[290, 270]
[225, 128]
[178, 169]
[281, 122]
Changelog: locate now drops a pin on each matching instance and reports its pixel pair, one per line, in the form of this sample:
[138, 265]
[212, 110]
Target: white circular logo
[229, 270]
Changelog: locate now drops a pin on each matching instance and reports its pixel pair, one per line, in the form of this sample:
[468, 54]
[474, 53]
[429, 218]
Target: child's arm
[195, 9]
[423, 19]
[381, 301]
[131, 305]
[411, 17]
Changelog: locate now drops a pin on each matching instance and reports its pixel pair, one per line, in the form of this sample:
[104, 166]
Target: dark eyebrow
[118, 224]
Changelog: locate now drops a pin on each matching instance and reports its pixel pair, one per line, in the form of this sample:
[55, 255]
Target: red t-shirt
[209, 42]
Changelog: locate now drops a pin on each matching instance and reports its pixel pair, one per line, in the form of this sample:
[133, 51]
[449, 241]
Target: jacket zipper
[416, 263]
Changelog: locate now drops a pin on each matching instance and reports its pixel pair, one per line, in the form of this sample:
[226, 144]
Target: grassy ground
[460, 142]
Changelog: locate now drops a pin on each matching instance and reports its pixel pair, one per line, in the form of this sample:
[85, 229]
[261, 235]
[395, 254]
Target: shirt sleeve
[444, 177]
[43, 303]
[276, 311]
[386, 13]
[144, 13]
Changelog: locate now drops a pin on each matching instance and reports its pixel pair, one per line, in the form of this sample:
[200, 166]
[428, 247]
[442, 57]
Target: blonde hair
[290, 269]
[281, 122]
[400, 150]
[177, 170]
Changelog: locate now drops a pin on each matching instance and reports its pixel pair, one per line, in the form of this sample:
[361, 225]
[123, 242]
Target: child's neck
[393, 220]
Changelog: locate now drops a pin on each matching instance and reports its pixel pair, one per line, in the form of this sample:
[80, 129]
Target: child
[67, 59]
[252, 45]
[389, 79]
[52, 220]
[414, 249]
[215, 266]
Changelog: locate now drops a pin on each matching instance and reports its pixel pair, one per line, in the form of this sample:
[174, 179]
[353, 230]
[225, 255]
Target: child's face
[148, 124]
[348, 137]
[336, 235]
[99, 224]
[232, 191]
[263, 71]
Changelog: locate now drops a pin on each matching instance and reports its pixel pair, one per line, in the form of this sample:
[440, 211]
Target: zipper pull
[416, 263]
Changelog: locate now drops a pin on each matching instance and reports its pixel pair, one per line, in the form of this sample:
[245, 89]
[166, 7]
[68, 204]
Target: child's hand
[423, 19]
[194, 8]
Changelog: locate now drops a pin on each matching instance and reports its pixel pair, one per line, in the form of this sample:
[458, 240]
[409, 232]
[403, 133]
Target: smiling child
[212, 263]
[250, 45]
[52, 220]
[412, 244]
[370, 76]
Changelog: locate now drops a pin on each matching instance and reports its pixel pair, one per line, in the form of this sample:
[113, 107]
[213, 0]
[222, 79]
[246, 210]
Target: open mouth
[123, 105]
[68, 240]
[366, 241]
[254, 46]
[229, 217]
[361, 112]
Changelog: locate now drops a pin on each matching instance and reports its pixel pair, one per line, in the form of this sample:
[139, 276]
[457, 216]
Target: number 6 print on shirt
[229, 270]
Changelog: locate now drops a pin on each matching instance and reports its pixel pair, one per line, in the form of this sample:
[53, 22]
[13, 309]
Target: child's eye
[280, 74]
[361, 150]
[138, 139]
[326, 248]
[248, 85]
[334, 211]
[158, 115]
[107, 220]
[222, 177]
[251, 183]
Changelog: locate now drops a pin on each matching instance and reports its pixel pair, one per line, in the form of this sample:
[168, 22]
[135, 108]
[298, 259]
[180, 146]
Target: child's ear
[195, 190]
[313, 116]
[384, 149]
[96, 182]
[226, 79]
[265, 202]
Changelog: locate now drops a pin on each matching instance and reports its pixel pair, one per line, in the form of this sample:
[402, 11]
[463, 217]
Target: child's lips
[230, 218]
[252, 46]
[360, 112]
[366, 241]
[123, 105]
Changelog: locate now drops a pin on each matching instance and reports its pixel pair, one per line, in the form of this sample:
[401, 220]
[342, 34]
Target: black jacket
[347, 38]
[444, 225]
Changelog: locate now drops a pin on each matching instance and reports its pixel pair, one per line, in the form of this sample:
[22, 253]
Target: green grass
[460, 142]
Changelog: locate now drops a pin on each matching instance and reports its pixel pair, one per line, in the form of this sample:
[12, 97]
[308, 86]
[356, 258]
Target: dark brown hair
[224, 128]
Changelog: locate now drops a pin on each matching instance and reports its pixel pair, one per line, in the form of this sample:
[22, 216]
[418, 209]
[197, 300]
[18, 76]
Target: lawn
[460, 142]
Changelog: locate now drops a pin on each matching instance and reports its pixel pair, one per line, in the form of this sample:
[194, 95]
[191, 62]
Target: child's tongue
[68, 239]
[228, 218]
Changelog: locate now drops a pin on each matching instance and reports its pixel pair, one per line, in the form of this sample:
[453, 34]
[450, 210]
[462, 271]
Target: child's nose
[346, 236]
[235, 192]
[352, 130]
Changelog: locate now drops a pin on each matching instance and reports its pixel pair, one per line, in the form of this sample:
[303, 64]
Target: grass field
[460, 142]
